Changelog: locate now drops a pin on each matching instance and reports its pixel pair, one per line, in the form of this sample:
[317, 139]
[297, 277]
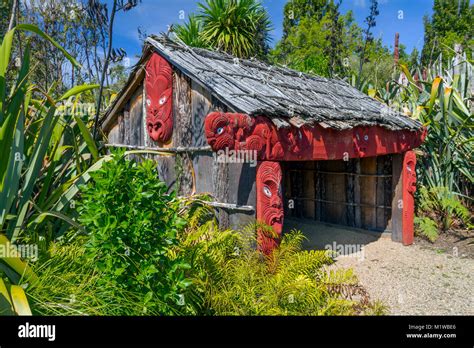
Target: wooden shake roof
[286, 96]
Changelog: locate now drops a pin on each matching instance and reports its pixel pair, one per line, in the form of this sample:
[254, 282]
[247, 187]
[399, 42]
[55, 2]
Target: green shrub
[133, 224]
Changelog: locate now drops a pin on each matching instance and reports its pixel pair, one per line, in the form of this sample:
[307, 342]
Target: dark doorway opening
[356, 193]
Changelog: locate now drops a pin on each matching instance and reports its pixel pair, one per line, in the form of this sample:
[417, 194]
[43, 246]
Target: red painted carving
[242, 132]
[269, 204]
[159, 87]
[409, 188]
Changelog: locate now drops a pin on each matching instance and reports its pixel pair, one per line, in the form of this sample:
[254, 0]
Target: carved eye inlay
[220, 130]
[366, 137]
[148, 102]
[162, 100]
[267, 191]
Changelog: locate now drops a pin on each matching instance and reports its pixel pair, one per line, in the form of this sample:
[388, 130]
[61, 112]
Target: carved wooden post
[403, 204]
[269, 204]
[409, 188]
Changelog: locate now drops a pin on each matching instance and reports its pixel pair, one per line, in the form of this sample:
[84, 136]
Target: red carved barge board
[307, 143]
[159, 91]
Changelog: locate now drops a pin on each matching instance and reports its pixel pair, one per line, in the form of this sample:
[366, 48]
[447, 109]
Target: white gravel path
[413, 280]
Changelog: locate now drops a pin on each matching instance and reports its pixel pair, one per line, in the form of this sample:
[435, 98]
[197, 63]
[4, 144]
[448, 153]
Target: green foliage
[190, 32]
[133, 225]
[443, 207]
[39, 140]
[238, 27]
[70, 284]
[450, 23]
[445, 163]
[317, 39]
[41, 156]
[233, 278]
[426, 227]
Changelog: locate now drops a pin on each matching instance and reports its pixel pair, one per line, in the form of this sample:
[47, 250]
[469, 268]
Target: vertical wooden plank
[387, 187]
[357, 198]
[120, 121]
[136, 118]
[201, 106]
[308, 190]
[368, 192]
[126, 124]
[397, 199]
[350, 209]
[220, 177]
[317, 187]
[335, 192]
[182, 132]
[113, 135]
[380, 197]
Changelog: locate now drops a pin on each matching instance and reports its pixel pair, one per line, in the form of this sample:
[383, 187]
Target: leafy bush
[133, 225]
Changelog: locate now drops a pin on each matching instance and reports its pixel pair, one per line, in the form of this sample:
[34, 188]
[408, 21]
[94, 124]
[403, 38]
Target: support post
[269, 205]
[403, 203]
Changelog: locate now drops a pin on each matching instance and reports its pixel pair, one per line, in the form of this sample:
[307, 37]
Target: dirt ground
[420, 279]
[456, 241]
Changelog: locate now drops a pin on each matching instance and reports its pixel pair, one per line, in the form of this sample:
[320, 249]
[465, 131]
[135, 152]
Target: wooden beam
[179, 149]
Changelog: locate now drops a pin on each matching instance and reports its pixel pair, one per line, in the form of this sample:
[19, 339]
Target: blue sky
[153, 16]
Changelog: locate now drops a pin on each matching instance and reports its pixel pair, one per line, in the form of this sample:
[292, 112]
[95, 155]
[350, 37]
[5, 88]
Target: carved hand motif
[269, 204]
[159, 91]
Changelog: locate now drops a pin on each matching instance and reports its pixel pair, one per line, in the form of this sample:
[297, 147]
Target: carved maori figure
[159, 87]
[269, 204]
[409, 188]
[242, 132]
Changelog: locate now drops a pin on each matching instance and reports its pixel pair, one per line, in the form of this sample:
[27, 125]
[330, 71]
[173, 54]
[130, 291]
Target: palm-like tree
[190, 32]
[238, 27]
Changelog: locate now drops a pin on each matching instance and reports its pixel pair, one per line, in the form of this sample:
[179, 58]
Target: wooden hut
[267, 142]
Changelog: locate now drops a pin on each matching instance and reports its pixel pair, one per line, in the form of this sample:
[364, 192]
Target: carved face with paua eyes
[269, 203]
[219, 131]
[158, 84]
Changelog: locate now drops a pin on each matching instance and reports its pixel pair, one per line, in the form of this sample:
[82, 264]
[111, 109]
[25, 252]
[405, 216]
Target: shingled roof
[284, 95]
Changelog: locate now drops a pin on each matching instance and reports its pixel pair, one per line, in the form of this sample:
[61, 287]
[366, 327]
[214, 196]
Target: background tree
[450, 23]
[238, 27]
[371, 23]
[317, 38]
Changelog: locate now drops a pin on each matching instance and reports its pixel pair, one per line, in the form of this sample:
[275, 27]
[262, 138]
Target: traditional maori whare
[341, 156]
[159, 89]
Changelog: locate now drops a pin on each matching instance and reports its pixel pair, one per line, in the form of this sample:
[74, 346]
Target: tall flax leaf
[34, 167]
[20, 303]
[6, 306]
[5, 51]
[12, 163]
[15, 262]
[86, 134]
